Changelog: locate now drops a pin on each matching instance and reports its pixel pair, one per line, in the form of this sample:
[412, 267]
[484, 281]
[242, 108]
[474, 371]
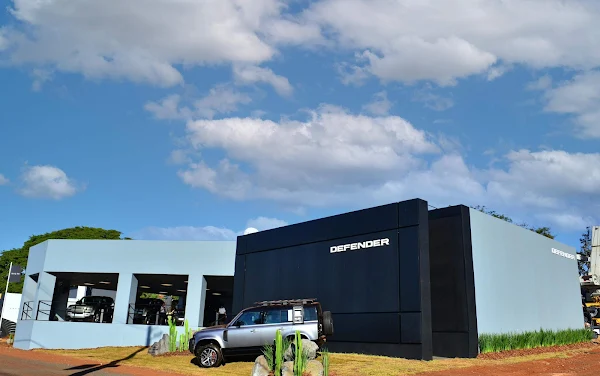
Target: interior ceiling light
[207, 289]
[181, 290]
[163, 292]
[88, 284]
[185, 281]
[145, 287]
[166, 284]
[216, 293]
[105, 282]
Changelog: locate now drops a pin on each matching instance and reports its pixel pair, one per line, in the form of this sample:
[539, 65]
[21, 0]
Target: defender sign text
[563, 254]
[360, 245]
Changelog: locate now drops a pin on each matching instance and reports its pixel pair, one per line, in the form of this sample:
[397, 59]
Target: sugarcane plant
[184, 339]
[172, 335]
[278, 352]
[301, 358]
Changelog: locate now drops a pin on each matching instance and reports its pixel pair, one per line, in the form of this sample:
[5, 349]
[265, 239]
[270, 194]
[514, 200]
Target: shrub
[528, 340]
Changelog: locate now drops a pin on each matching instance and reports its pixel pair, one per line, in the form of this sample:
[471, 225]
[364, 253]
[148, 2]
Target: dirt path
[583, 363]
[14, 362]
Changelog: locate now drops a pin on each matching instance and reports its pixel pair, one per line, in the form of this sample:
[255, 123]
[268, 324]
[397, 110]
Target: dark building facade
[400, 280]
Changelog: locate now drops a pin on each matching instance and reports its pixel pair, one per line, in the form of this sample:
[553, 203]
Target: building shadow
[87, 369]
[95, 368]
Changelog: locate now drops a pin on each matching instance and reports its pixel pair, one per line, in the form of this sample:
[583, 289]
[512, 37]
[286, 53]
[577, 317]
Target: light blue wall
[195, 259]
[520, 285]
[83, 335]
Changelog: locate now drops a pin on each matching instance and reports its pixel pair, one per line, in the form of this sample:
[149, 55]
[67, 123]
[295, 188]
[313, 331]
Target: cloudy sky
[190, 119]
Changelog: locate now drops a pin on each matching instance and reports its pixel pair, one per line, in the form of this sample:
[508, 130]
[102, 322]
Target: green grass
[528, 340]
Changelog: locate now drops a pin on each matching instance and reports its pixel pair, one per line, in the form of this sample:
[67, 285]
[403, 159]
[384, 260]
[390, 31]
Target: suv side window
[252, 317]
[275, 316]
[310, 313]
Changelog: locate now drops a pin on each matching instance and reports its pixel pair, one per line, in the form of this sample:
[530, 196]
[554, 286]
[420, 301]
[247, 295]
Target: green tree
[19, 256]
[545, 231]
[585, 251]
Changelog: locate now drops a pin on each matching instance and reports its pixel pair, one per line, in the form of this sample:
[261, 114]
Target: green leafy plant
[528, 340]
[172, 335]
[301, 358]
[269, 354]
[325, 354]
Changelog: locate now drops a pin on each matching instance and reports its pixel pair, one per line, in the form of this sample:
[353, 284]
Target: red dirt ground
[37, 363]
[584, 362]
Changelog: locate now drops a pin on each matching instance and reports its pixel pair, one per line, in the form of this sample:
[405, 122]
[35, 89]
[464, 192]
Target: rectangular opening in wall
[219, 300]
[158, 297]
[80, 297]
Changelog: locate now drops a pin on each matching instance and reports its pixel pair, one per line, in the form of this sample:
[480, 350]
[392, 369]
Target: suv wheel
[209, 355]
[327, 323]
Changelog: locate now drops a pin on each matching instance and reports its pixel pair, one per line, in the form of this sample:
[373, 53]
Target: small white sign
[563, 254]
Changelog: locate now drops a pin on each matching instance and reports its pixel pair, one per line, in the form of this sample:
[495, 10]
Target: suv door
[275, 318]
[246, 334]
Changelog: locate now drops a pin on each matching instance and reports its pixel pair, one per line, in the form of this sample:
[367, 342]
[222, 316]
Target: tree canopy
[545, 231]
[586, 250]
[19, 256]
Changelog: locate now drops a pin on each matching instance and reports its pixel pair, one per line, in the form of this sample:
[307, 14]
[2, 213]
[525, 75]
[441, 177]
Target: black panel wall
[379, 297]
[454, 322]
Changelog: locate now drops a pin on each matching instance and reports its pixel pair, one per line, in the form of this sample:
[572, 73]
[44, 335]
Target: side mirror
[238, 323]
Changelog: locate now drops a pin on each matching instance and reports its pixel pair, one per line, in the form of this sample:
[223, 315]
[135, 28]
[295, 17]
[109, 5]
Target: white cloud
[445, 40]
[221, 99]
[431, 100]
[249, 74]
[579, 97]
[141, 41]
[47, 182]
[40, 77]
[204, 233]
[266, 223]
[380, 105]
[331, 148]
[3, 180]
[336, 158]
[4, 41]
[351, 74]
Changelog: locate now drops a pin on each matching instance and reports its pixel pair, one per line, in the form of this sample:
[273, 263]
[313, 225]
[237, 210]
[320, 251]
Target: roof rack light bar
[285, 302]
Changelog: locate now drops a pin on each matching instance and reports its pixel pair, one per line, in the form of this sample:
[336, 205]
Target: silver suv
[256, 326]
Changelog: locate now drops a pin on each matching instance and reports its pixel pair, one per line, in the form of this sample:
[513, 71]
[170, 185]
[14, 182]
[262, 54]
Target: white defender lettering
[359, 245]
[563, 254]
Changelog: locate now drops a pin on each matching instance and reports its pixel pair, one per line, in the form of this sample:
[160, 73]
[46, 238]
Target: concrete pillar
[28, 297]
[60, 300]
[195, 298]
[126, 295]
[43, 296]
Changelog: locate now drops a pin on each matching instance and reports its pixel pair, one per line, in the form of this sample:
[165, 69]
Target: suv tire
[327, 323]
[209, 355]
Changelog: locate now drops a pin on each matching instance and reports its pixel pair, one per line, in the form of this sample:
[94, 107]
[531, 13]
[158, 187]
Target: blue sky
[164, 121]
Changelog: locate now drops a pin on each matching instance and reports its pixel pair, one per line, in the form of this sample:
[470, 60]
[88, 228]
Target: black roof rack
[285, 302]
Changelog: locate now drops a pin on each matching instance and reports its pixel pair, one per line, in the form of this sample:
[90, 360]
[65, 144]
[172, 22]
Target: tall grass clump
[325, 354]
[529, 340]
